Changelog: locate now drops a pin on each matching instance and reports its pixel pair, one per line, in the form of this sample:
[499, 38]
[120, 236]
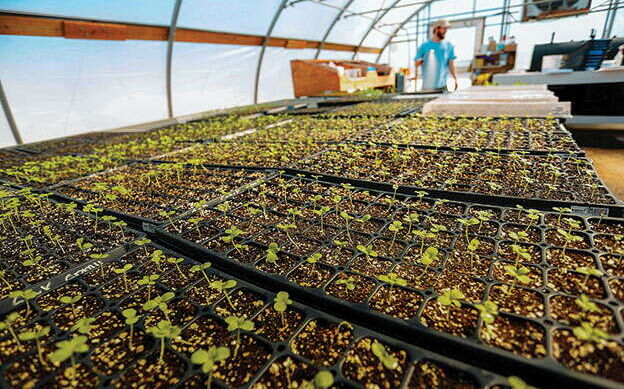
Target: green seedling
[157, 257]
[423, 236]
[313, 260]
[131, 318]
[8, 323]
[176, 262]
[367, 251]
[208, 359]
[202, 268]
[568, 238]
[26, 295]
[410, 219]
[100, 258]
[223, 287]
[324, 379]
[143, 242]
[238, 324]
[34, 261]
[66, 349]
[589, 271]
[224, 207]
[518, 383]
[519, 236]
[349, 282]
[488, 311]
[94, 209]
[281, 303]
[430, 255]
[395, 227]
[83, 325]
[82, 245]
[36, 335]
[519, 274]
[121, 225]
[347, 219]
[386, 359]
[286, 229]
[467, 223]
[232, 234]
[560, 212]
[588, 333]
[321, 214]
[71, 301]
[271, 253]
[294, 213]
[149, 281]
[586, 304]
[168, 215]
[164, 330]
[534, 216]
[521, 253]
[473, 246]
[160, 303]
[392, 279]
[450, 298]
[123, 271]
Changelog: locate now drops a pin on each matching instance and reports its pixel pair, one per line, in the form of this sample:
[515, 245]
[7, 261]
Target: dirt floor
[610, 166]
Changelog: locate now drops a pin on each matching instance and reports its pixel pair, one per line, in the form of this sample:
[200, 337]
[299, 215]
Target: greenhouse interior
[312, 194]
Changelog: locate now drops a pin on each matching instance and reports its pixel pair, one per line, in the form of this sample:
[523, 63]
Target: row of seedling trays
[538, 291]
[148, 316]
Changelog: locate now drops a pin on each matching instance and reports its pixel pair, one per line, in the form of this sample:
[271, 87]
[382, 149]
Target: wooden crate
[318, 78]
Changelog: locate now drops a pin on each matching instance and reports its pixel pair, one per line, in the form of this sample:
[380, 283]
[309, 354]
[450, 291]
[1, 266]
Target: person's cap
[441, 23]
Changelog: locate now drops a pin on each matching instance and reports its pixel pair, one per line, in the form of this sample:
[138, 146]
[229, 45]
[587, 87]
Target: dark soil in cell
[363, 367]
[312, 276]
[605, 358]
[565, 310]
[517, 300]
[519, 336]
[433, 375]
[362, 288]
[576, 284]
[458, 321]
[276, 327]
[397, 302]
[322, 342]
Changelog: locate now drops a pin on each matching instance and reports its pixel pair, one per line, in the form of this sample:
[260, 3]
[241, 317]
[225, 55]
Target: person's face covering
[440, 32]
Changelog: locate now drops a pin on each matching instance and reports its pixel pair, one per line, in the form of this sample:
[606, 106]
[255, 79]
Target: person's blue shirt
[444, 51]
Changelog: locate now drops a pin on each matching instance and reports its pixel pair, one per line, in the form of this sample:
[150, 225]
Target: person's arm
[453, 71]
[417, 63]
[451, 65]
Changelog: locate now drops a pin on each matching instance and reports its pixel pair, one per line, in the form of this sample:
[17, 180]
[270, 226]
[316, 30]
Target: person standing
[444, 57]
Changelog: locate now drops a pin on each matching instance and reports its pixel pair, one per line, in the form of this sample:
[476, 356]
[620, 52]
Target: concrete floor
[610, 166]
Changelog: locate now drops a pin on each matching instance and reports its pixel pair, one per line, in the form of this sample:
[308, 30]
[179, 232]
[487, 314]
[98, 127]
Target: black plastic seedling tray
[270, 352]
[586, 208]
[469, 193]
[545, 370]
[71, 269]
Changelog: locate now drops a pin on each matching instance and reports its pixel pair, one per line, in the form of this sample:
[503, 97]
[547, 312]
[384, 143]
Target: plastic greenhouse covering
[59, 87]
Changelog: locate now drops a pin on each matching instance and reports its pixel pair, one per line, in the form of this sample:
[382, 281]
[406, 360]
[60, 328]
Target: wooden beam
[102, 31]
[85, 29]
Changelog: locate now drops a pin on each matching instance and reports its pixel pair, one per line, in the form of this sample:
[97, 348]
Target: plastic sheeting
[61, 87]
[212, 76]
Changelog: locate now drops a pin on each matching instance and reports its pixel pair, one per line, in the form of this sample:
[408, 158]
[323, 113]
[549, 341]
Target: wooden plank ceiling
[84, 29]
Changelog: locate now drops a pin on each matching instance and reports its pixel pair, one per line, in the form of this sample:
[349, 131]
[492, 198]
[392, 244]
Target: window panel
[295, 21]
[206, 76]
[141, 11]
[275, 77]
[61, 87]
[241, 16]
